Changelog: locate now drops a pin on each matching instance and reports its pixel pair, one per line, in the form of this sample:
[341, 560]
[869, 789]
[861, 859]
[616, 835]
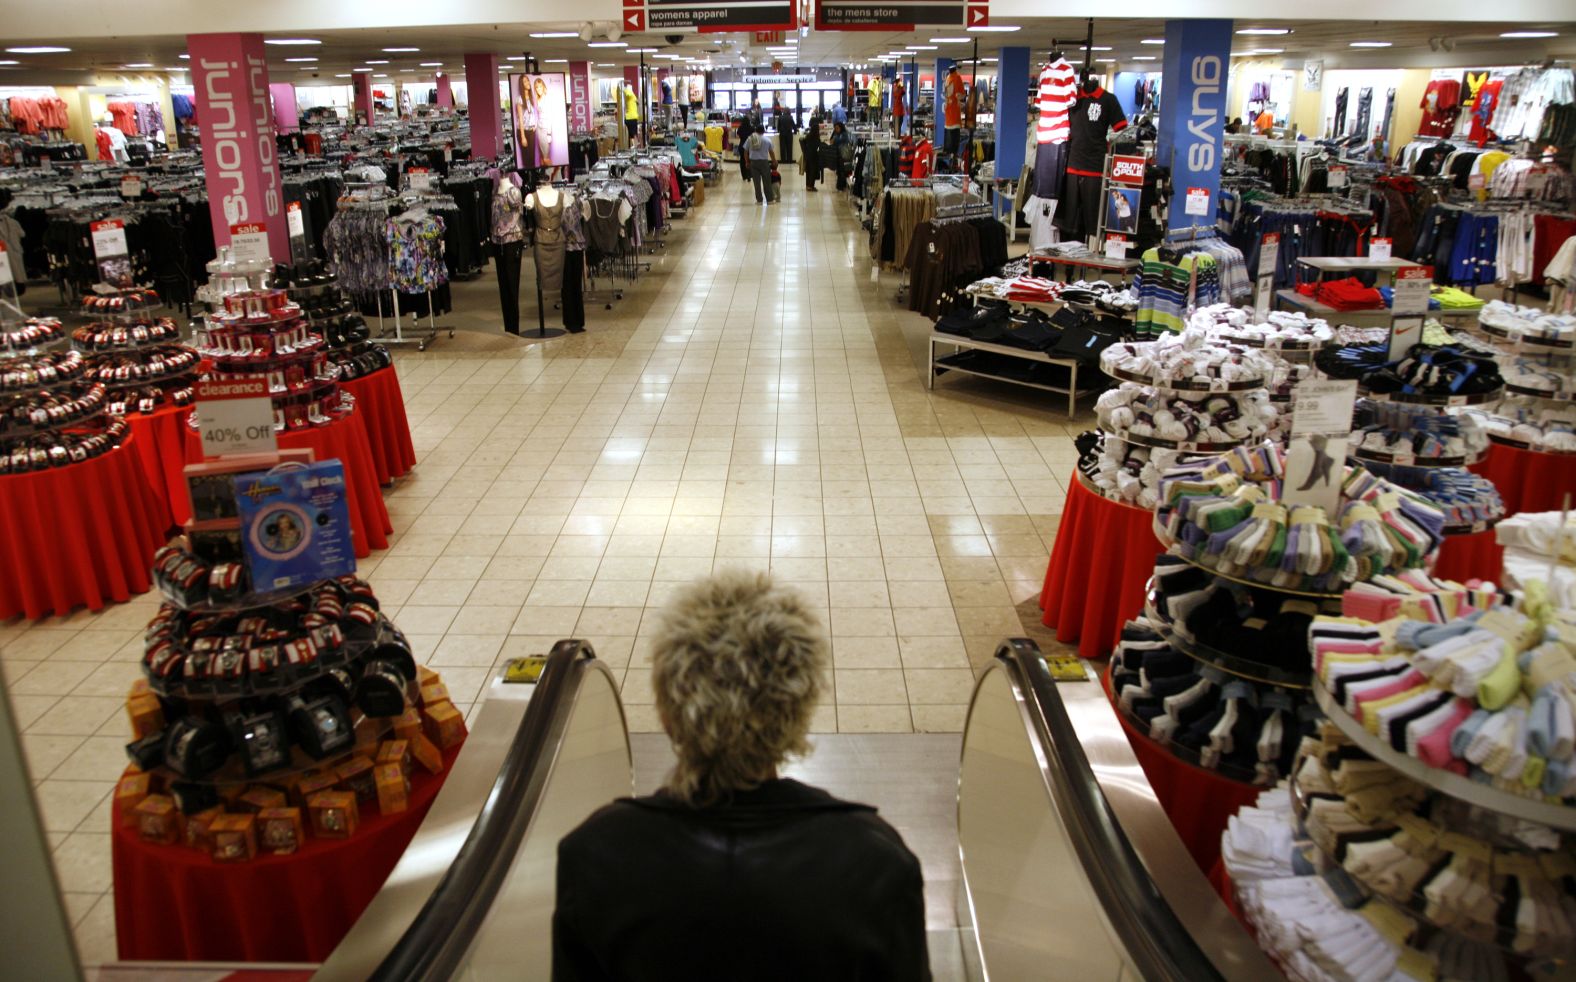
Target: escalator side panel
[1035, 914]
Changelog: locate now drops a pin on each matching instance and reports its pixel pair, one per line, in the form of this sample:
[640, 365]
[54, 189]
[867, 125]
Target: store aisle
[753, 400]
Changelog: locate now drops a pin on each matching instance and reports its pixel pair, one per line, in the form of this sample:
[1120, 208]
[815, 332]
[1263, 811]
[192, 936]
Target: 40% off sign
[235, 417]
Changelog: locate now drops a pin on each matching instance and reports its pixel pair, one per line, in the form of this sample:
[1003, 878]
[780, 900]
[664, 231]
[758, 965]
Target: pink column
[445, 96]
[287, 117]
[361, 97]
[481, 84]
[230, 75]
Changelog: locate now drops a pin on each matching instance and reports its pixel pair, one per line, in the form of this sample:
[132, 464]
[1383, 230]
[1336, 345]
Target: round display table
[81, 535]
[1528, 481]
[174, 903]
[161, 448]
[381, 405]
[1105, 552]
[345, 439]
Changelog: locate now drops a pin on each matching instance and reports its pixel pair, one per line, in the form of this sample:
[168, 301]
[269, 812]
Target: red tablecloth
[78, 535]
[161, 447]
[1466, 557]
[345, 440]
[381, 405]
[176, 904]
[1105, 553]
[1527, 481]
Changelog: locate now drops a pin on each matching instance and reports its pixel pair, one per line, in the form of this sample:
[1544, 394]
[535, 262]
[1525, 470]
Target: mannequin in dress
[546, 206]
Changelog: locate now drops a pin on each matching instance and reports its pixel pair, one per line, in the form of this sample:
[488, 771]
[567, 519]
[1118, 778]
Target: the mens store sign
[1192, 116]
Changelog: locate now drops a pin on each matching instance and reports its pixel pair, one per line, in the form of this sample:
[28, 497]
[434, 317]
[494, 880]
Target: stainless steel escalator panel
[592, 765]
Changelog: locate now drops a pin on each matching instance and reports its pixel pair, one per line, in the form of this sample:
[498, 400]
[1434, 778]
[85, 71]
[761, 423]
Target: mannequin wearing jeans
[508, 234]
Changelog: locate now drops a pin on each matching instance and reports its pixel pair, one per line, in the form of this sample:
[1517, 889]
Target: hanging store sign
[778, 80]
[713, 16]
[1192, 115]
[581, 117]
[899, 15]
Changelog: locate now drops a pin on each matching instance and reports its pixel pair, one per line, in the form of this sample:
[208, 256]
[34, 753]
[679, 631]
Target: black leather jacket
[782, 882]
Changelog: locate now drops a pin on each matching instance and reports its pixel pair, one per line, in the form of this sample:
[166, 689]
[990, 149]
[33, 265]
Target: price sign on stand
[420, 179]
[249, 242]
[111, 251]
[235, 418]
[1115, 246]
[1410, 306]
[1321, 423]
[131, 186]
[1337, 176]
[1379, 248]
[296, 228]
[1197, 202]
[1264, 289]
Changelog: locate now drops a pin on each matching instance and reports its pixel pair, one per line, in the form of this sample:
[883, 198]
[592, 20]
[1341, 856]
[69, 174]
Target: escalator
[1070, 868]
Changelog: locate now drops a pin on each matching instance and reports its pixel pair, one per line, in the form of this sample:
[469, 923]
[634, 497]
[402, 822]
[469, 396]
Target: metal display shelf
[1188, 384]
[1408, 459]
[1247, 668]
[1445, 782]
[1072, 391]
[1428, 399]
[1185, 446]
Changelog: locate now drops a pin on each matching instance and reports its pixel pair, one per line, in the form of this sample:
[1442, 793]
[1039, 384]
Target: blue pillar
[943, 65]
[910, 94]
[1012, 120]
[888, 76]
[1192, 113]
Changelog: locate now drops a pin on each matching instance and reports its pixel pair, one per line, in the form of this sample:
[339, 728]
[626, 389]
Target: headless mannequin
[511, 249]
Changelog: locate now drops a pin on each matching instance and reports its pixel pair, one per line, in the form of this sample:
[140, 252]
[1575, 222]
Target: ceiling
[1414, 44]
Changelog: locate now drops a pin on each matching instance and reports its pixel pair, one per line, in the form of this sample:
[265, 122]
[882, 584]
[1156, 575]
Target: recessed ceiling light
[380, 75]
[1153, 41]
[1105, 59]
[1369, 44]
[636, 51]
[515, 58]
[1269, 51]
[1098, 47]
[400, 50]
[919, 47]
[1267, 31]
[184, 57]
[432, 64]
[1507, 34]
[139, 64]
[556, 34]
[341, 76]
[305, 59]
[407, 69]
[39, 49]
[948, 40]
[9, 61]
[377, 61]
[1143, 58]
[994, 29]
[291, 41]
[358, 70]
[607, 44]
[604, 64]
[988, 59]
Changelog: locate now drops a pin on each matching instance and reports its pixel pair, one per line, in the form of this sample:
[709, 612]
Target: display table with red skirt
[82, 535]
[174, 903]
[1105, 552]
[161, 448]
[345, 439]
[1466, 557]
[381, 405]
[1528, 481]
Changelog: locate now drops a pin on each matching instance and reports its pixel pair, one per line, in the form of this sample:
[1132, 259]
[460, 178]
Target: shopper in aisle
[758, 150]
[737, 667]
[786, 127]
[812, 153]
[843, 149]
[745, 132]
[632, 114]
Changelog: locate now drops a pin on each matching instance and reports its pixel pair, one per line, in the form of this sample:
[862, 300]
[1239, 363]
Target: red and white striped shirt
[1058, 86]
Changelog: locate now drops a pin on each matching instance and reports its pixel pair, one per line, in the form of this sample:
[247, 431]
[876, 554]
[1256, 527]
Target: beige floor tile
[77, 715]
[65, 804]
[873, 719]
[924, 621]
[938, 686]
[467, 650]
[865, 652]
[870, 687]
[938, 719]
[933, 652]
[480, 619]
[82, 862]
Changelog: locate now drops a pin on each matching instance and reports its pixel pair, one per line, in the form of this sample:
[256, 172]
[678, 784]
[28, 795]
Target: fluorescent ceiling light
[948, 40]
[556, 34]
[1098, 47]
[302, 59]
[1369, 44]
[1105, 59]
[607, 44]
[1153, 41]
[380, 75]
[400, 50]
[1507, 34]
[139, 64]
[557, 61]
[1269, 51]
[988, 59]
[515, 58]
[38, 49]
[359, 70]
[407, 69]
[177, 68]
[636, 51]
[1267, 31]
[919, 47]
[341, 76]
[291, 41]
[1143, 58]
[432, 64]
[377, 61]
[993, 29]
[604, 64]
[184, 57]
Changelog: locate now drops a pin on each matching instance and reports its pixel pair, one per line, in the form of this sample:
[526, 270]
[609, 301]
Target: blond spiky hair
[736, 665]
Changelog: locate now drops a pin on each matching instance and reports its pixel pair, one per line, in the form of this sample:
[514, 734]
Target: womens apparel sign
[539, 107]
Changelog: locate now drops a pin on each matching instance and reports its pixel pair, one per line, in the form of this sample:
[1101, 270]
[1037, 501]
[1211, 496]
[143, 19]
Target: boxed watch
[258, 799]
[130, 792]
[426, 754]
[197, 829]
[157, 820]
[445, 726]
[408, 724]
[311, 784]
[234, 838]
[393, 789]
[395, 752]
[434, 692]
[355, 776]
[334, 814]
[147, 715]
[279, 829]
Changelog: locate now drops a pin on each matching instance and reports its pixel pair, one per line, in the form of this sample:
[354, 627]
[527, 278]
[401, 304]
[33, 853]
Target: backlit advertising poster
[539, 108]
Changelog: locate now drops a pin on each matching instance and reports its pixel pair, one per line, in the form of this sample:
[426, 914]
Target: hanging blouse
[416, 254]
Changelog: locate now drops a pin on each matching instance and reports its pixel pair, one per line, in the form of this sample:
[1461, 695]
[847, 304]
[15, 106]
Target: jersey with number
[1057, 84]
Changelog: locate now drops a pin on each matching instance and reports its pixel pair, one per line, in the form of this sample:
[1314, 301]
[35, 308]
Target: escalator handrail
[436, 943]
[1160, 945]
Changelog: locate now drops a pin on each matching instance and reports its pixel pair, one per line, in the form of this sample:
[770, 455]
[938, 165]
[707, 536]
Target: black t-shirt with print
[1092, 116]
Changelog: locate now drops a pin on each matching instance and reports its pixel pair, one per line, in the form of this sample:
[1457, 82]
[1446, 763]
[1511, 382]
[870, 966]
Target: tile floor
[756, 399]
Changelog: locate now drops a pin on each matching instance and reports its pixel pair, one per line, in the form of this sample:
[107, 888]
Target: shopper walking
[730, 871]
[745, 131]
[843, 150]
[762, 159]
[787, 126]
[812, 153]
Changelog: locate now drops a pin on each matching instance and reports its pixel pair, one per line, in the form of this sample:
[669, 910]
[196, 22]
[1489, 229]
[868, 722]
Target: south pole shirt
[1092, 117]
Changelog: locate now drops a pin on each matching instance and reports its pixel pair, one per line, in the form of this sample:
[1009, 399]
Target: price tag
[1264, 288]
[420, 179]
[448, 153]
[1323, 406]
[45, 163]
[1379, 248]
[1115, 246]
[131, 186]
[249, 242]
[1409, 308]
[1197, 202]
[293, 220]
[235, 418]
[1337, 176]
[1476, 182]
[1316, 456]
[109, 239]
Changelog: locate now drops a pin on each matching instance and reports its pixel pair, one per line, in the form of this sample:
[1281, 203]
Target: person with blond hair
[730, 871]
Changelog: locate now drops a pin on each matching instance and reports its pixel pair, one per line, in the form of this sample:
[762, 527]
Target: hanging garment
[1339, 127]
[1056, 89]
[509, 259]
[1365, 102]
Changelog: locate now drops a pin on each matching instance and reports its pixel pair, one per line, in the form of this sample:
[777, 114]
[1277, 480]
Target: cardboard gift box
[395, 752]
[445, 725]
[157, 820]
[393, 789]
[280, 829]
[334, 814]
[131, 791]
[197, 829]
[234, 837]
[355, 776]
[426, 754]
[408, 725]
[146, 715]
[258, 798]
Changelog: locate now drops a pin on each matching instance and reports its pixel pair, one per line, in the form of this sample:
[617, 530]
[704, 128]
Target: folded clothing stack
[1245, 730]
[1279, 329]
[1101, 295]
[1350, 293]
[1470, 502]
[1529, 324]
[1540, 378]
[1453, 298]
[1529, 540]
[1490, 693]
[1190, 360]
[1449, 370]
[1387, 294]
[1123, 471]
[1223, 513]
[1397, 429]
[1531, 423]
[1139, 412]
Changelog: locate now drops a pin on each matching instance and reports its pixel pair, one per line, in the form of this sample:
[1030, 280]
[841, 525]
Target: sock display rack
[1536, 351]
[1428, 829]
[137, 355]
[52, 413]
